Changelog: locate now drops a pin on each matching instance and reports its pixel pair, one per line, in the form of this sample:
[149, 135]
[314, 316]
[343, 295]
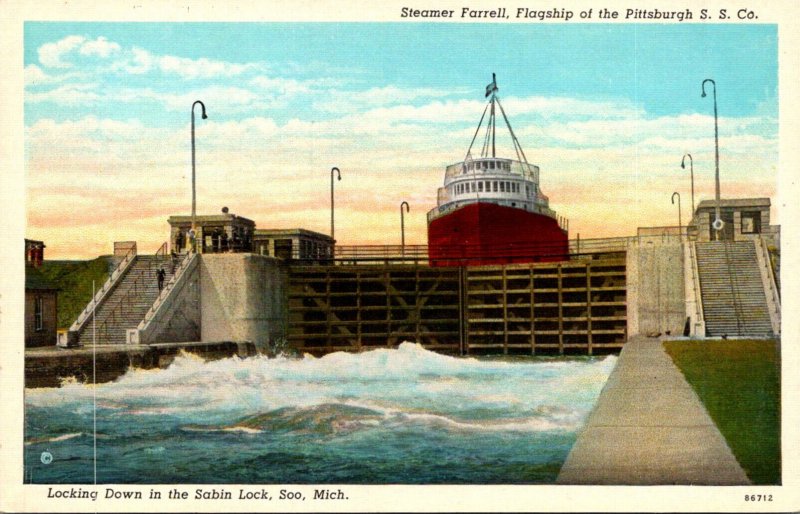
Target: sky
[605, 111]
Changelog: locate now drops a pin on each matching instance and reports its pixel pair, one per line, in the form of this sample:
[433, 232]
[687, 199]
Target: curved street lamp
[403, 227]
[718, 223]
[680, 221]
[194, 194]
[691, 169]
[333, 238]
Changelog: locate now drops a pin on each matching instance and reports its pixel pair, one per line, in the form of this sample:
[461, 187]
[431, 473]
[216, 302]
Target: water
[388, 416]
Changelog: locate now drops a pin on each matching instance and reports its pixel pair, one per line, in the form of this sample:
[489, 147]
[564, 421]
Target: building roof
[288, 232]
[211, 218]
[36, 281]
[734, 202]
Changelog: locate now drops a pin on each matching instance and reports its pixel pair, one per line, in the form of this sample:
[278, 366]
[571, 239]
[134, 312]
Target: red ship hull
[486, 233]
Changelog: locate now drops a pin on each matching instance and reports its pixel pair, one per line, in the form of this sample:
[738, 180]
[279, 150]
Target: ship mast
[491, 126]
[492, 117]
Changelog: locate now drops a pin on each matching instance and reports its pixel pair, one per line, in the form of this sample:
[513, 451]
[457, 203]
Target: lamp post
[718, 223]
[403, 228]
[194, 194]
[680, 221]
[333, 238]
[691, 169]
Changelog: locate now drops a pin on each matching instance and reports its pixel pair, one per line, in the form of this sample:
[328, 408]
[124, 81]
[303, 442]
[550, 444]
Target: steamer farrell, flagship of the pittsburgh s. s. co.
[491, 209]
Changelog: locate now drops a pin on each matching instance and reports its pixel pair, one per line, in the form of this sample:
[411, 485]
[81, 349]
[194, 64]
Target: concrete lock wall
[656, 300]
[242, 298]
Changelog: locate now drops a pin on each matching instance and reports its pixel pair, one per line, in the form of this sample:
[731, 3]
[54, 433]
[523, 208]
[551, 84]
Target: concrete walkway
[649, 428]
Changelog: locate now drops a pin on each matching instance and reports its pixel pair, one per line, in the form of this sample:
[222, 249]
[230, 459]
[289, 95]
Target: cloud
[202, 68]
[139, 62]
[100, 47]
[35, 76]
[68, 94]
[217, 99]
[50, 54]
[55, 55]
[337, 101]
[570, 108]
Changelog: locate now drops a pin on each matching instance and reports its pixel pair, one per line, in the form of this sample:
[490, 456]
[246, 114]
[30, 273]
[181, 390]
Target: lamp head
[703, 94]
[204, 115]
[683, 166]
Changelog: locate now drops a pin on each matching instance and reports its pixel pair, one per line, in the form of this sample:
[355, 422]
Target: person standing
[160, 276]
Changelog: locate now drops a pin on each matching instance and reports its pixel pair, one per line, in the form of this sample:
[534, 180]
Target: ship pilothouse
[491, 209]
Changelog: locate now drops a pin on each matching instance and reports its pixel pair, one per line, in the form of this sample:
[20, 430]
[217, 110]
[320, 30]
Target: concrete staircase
[127, 304]
[732, 291]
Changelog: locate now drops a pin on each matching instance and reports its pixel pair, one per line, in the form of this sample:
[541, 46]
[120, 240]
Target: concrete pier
[650, 428]
[47, 367]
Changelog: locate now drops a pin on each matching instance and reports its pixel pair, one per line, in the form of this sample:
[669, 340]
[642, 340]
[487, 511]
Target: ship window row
[487, 165]
[488, 186]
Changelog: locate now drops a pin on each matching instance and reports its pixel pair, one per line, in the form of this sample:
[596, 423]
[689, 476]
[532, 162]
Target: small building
[34, 252]
[215, 233]
[294, 243]
[744, 219]
[41, 304]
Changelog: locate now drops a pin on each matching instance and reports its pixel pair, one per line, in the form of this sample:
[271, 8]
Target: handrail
[107, 286]
[768, 264]
[133, 290]
[162, 250]
[699, 312]
[130, 294]
[737, 300]
[768, 281]
[183, 266]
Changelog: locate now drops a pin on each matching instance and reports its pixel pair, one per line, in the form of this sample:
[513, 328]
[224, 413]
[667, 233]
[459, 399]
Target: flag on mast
[491, 88]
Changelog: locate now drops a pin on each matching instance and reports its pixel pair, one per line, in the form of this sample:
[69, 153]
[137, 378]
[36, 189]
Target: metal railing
[162, 250]
[464, 254]
[771, 290]
[468, 253]
[132, 293]
[698, 298]
[165, 292]
[665, 233]
[117, 311]
[118, 272]
[528, 172]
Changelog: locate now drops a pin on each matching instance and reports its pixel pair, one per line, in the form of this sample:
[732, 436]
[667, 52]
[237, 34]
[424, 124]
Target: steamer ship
[491, 209]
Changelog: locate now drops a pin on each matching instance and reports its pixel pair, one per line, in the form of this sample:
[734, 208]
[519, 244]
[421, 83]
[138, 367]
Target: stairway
[127, 304]
[731, 289]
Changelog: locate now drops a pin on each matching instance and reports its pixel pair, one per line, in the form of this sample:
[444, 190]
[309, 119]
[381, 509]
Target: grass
[74, 279]
[739, 384]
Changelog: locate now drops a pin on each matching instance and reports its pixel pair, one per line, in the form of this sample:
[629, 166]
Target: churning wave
[387, 416]
[343, 392]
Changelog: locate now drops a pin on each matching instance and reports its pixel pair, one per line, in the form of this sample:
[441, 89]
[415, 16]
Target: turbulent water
[399, 416]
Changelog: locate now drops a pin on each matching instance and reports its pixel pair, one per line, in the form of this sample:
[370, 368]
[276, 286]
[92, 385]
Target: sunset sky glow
[606, 111]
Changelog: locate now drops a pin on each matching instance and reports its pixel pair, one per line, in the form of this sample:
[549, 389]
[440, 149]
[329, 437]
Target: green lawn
[739, 384]
[74, 279]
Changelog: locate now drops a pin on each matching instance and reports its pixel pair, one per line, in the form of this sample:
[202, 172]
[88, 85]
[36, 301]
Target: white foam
[54, 439]
[424, 386]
